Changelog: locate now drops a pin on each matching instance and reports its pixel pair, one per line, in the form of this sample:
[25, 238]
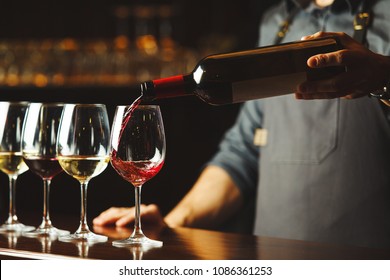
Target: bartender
[319, 169]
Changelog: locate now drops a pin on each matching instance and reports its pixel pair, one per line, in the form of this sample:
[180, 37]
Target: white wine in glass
[83, 153]
[12, 115]
[84, 168]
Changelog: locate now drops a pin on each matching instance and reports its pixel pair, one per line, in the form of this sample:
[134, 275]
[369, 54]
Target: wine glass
[39, 140]
[138, 154]
[12, 115]
[83, 152]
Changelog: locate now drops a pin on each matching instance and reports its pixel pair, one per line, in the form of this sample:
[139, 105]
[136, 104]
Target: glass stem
[46, 223]
[83, 228]
[137, 223]
[12, 218]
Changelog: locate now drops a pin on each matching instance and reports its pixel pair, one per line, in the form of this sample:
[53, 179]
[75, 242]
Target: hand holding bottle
[366, 71]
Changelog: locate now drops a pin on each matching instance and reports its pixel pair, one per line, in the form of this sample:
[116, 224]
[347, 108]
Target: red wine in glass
[136, 172]
[44, 167]
[39, 138]
[137, 154]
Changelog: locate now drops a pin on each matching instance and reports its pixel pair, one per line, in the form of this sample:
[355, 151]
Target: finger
[323, 86]
[128, 217]
[298, 96]
[344, 38]
[349, 96]
[355, 95]
[330, 95]
[322, 95]
[345, 83]
[110, 216]
[125, 220]
[319, 34]
[338, 58]
[111, 210]
[152, 208]
[99, 221]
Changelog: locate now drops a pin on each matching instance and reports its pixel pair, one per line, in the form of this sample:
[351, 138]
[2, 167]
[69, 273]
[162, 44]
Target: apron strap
[362, 21]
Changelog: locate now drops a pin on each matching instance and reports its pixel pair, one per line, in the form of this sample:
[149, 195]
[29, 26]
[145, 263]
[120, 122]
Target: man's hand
[366, 71]
[125, 215]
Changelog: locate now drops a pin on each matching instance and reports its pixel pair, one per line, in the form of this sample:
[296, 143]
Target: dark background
[194, 21]
[193, 129]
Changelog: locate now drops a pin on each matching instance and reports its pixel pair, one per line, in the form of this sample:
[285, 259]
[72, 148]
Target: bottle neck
[174, 86]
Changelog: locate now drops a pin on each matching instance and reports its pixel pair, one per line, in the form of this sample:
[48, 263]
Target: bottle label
[266, 87]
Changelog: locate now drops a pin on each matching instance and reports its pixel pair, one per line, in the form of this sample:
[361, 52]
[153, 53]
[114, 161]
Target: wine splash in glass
[137, 154]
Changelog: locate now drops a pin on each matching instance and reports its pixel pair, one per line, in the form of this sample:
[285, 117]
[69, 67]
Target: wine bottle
[217, 79]
[247, 75]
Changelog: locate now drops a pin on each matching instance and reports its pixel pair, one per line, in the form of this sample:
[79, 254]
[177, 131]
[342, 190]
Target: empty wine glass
[39, 140]
[83, 152]
[12, 115]
[137, 154]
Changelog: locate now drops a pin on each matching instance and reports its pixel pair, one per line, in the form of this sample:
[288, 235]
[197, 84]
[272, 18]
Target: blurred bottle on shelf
[142, 48]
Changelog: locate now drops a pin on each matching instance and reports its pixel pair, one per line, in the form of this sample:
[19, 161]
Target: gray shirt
[321, 169]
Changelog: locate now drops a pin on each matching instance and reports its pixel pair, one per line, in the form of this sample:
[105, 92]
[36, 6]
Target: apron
[325, 172]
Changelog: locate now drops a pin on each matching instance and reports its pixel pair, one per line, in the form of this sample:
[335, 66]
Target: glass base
[138, 241]
[46, 231]
[15, 227]
[89, 237]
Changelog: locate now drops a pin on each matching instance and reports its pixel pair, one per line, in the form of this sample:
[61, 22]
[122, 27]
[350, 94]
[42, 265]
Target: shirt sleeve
[237, 153]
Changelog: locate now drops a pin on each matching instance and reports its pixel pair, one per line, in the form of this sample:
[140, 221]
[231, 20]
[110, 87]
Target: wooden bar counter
[181, 244]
